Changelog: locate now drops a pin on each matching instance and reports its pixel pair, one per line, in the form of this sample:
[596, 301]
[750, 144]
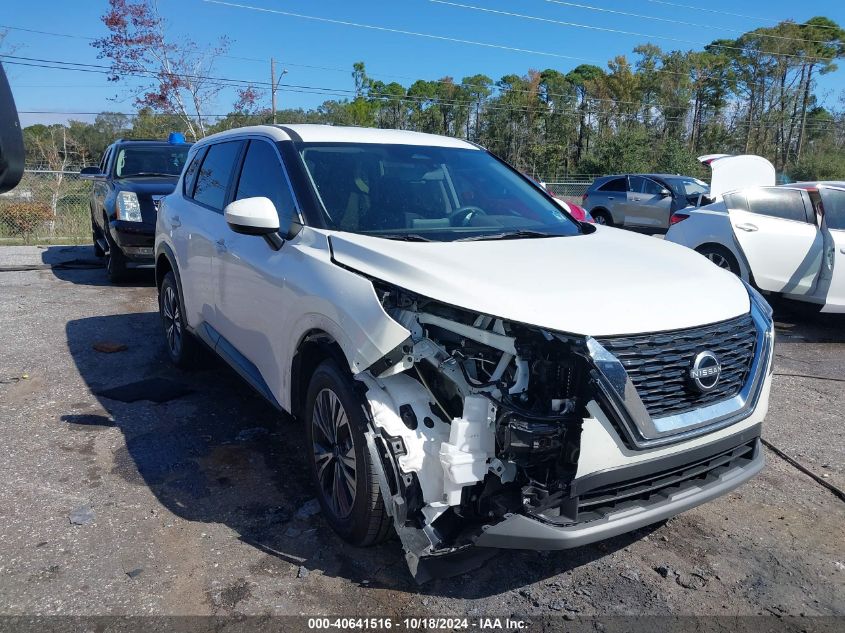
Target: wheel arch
[742, 264]
[314, 347]
[606, 212]
[163, 266]
[165, 262]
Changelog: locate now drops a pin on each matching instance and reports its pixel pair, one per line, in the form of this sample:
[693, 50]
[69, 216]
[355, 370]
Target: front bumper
[709, 477]
[135, 239]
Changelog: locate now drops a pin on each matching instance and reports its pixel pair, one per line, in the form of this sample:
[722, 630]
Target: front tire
[99, 253]
[339, 460]
[180, 344]
[115, 259]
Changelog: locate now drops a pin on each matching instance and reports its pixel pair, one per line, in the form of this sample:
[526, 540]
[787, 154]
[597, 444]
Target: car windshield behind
[688, 187]
[428, 193]
[150, 160]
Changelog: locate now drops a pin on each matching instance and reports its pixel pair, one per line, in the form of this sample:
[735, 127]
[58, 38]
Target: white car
[788, 239]
[420, 306]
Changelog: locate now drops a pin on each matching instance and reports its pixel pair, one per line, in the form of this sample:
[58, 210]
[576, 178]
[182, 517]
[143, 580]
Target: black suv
[129, 183]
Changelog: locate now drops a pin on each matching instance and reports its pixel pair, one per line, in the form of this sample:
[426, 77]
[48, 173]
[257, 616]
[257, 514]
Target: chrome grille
[658, 364]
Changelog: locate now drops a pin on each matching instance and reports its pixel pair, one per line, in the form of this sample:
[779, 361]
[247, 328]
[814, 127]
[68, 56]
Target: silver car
[643, 201]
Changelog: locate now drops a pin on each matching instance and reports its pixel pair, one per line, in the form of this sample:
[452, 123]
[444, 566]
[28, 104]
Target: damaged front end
[473, 419]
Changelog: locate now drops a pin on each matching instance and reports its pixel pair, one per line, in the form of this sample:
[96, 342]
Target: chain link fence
[569, 190]
[47, 207]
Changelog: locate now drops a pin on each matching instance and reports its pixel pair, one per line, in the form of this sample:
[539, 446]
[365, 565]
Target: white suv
[421, 306]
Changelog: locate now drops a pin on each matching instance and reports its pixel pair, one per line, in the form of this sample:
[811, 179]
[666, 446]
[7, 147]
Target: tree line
[654, 110]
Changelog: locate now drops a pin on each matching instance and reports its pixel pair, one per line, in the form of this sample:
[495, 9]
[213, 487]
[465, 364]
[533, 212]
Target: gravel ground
[200, 505]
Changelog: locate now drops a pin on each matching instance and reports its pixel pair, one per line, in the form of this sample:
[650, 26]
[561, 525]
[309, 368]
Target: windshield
[152, 160]
[427, 193]
[688, 186]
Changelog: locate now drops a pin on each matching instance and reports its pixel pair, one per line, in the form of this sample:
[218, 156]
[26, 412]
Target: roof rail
[124, 140]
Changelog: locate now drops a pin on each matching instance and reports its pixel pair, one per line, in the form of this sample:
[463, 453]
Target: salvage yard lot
[200, 504]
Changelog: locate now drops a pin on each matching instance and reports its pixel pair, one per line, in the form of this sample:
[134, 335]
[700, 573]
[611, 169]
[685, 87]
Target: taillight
[677, 217]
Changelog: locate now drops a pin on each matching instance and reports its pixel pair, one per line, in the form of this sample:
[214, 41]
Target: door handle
[611, 198]
[175, 222]
[746, 226]
[221, 245]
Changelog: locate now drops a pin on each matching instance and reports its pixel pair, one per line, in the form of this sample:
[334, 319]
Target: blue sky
[321, 54]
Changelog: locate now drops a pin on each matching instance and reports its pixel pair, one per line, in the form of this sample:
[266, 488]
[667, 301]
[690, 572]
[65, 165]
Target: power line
[617, 31]
[440, 81]
[429, 35]
[736, 15]
[557, 111]
[286, 63]
[399, 31]
[326, 91]
[68, 35]
[681, 22]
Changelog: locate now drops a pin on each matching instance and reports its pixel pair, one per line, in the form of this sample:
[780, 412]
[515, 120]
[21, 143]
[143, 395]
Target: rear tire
[182, 347]
[339, 459]
[720, 256]
[601, 216]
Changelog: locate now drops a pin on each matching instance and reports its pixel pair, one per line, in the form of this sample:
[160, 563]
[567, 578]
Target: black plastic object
[11, 138]
[529, 442]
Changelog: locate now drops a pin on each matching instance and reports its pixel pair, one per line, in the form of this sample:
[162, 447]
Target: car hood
[152, 186]
[602, 283]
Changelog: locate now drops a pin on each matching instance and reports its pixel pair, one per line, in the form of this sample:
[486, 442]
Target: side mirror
[11, 138]
[665, 193]
[90, 172]
[252, 216]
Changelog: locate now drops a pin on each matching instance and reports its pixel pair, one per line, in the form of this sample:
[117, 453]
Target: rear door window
[833, 203]
[263, 175]
[615, 184]
[785, 204]
[215, 174]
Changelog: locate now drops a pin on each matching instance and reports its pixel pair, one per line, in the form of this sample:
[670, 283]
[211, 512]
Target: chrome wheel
[334, 453]
[600, 219]
[720, 260]
[172, 317]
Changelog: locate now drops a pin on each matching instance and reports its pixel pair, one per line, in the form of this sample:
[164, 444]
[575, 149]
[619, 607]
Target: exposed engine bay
[473, 419]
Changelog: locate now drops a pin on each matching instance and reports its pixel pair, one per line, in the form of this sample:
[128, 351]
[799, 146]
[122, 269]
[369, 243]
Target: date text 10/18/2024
[417, 624]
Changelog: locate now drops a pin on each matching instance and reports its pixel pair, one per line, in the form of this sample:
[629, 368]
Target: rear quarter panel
[708, 225]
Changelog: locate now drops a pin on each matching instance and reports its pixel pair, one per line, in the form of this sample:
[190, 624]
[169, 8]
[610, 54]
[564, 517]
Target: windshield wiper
[509, 235]
[404, 237]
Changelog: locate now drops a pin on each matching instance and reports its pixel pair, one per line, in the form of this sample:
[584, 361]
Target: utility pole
[274, 85]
